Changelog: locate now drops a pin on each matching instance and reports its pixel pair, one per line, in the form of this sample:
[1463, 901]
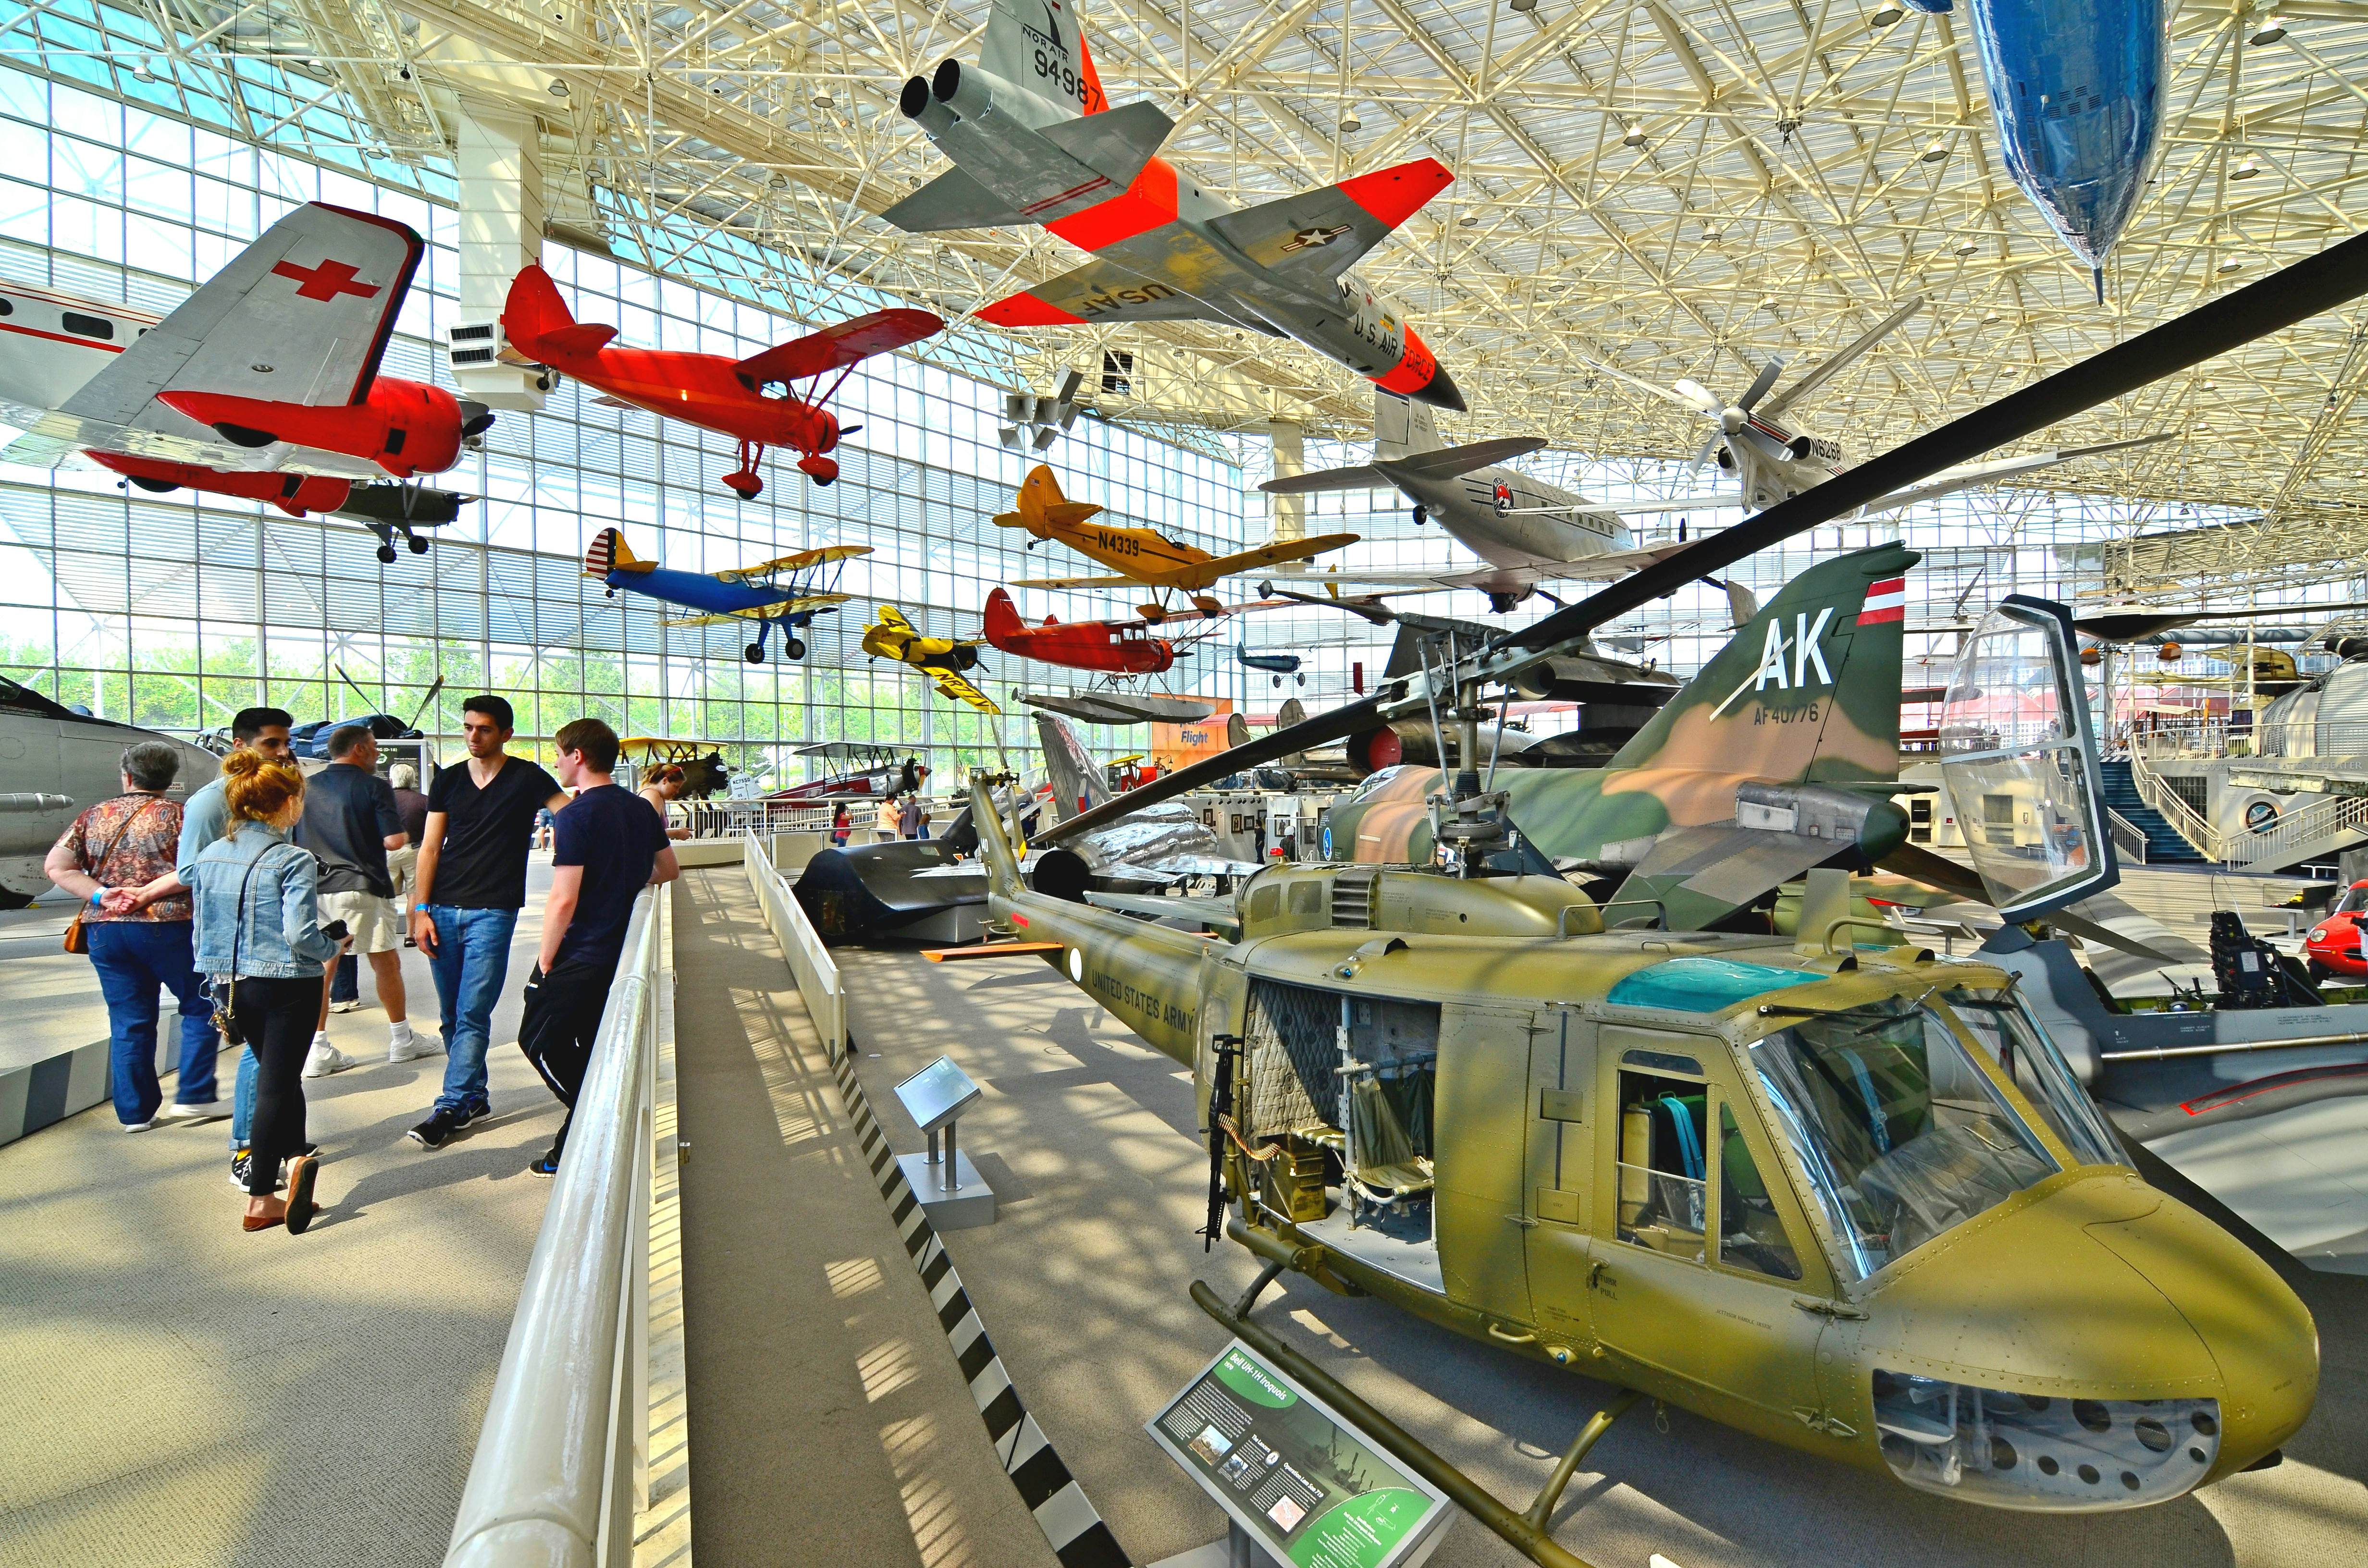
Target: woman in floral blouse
[126, 843]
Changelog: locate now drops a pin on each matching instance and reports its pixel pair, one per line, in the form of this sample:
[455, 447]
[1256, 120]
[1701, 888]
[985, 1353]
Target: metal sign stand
[951, 1192]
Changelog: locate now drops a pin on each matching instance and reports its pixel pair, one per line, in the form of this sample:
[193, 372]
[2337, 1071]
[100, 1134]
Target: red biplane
[715, 393]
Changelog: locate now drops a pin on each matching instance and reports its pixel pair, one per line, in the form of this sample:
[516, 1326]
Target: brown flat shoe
[301, 1173]
[261, 1221]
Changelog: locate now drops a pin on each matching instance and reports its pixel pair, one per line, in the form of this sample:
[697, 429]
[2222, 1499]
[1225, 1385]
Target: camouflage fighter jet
[1033, 140]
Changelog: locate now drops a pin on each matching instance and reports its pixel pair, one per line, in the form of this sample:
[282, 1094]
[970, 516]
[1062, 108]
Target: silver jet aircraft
[1033, 140]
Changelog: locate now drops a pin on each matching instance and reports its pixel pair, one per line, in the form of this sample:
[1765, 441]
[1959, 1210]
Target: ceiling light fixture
[2246, 167]
[1634, 137]
[1351, 124]
[1467, 221]
[822, 101]
[1710, 231]
[1885, 15]
[1967, 247]
[2231, 264]
[144, 71]
[2272, 27]
[1936, 149]
[558, 88]
[1525, 6]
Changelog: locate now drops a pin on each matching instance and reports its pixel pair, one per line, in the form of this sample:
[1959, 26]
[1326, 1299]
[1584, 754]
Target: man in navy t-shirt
[607, 845]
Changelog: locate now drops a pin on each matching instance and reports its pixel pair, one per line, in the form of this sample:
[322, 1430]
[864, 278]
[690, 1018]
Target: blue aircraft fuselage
[695, 590]
[2076, 88]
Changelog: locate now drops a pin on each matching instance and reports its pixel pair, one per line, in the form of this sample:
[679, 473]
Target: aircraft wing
[1272, 555]
[839, 345]
[1316, 235]
[1969, 474]
[1076, 582]
[1608, 567]
[797, 562]
[797, 605]
[301, 316]
[1100, 291]
[952, 686]
[1162, 906]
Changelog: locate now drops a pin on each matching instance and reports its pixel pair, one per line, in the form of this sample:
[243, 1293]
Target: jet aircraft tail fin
[1807, 691]
[1401, 428]
[1079, 784]
[1316, 235]
[606, 553]
[1040, 46]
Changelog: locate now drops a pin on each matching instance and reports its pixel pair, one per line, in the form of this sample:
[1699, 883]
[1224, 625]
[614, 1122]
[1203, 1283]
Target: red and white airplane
[714, 393]
[263, 384]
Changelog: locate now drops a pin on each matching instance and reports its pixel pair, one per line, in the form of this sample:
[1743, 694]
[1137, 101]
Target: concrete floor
[1086, 1134]
[182, 1392]
[830, 1421]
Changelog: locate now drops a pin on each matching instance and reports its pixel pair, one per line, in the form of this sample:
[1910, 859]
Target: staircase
[2164, 845]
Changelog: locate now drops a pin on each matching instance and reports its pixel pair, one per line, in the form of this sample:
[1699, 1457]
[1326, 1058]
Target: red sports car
[2333, 945]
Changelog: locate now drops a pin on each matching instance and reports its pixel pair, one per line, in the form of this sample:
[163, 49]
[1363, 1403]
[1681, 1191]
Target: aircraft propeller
[2306, 289]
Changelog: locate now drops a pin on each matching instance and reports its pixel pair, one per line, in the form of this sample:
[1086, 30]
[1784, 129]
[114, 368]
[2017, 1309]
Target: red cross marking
[326, 281]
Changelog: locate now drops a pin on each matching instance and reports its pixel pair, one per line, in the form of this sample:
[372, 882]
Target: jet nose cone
[1440, 391]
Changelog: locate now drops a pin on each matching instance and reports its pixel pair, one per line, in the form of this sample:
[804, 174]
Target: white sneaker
[413, 1045]
[138, 1126]
[353, 1007]
[172, 1113]
[324, 1059]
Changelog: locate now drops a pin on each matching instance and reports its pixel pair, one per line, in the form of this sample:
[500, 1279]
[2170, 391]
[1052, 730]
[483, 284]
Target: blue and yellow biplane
[789, 592]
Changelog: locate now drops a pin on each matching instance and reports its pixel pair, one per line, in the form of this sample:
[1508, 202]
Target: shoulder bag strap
[238, 928]
[120, 833]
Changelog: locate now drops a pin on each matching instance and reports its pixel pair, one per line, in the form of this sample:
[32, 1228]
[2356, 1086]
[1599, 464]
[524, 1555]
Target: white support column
[1287, 439]
[497, 158]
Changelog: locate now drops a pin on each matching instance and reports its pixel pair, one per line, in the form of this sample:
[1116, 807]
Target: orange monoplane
[727, 396]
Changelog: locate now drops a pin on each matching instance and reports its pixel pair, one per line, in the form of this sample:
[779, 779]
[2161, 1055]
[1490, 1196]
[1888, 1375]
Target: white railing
[2304, 740]
[2129, 839]
[741, 819]
[810, 962]
[2184, 820]
[2301, 831]
[562, 1462]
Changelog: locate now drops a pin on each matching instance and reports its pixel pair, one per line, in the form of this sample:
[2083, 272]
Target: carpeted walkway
[830, 1421]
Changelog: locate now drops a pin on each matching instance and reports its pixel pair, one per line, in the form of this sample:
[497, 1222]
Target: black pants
[561, 1015]
[276, 1017]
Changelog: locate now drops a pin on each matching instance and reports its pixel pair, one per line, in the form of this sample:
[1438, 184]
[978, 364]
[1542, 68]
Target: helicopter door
[1696, 1272]
[1478, 1170]
[1562, 1084]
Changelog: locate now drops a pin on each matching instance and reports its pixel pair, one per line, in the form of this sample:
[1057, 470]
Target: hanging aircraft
[1034, 424]
[789, 591]
[1141, 556]
[263, 384]
[2077, 94]
[1111, 647]
[942, 659]
[1772, 461]
[1033, 141]
[1275, 664]
[710, 391]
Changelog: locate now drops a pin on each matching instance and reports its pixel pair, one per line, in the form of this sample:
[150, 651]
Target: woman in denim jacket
[260, 935]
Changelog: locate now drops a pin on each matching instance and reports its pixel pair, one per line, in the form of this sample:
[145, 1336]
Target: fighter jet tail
[1807, 691]
[1079, 784]
[1037, 45]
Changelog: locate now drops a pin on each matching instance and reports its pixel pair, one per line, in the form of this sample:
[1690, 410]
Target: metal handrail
[2129, 839]
[2183, 819]
[736, 819]
[810, 963]
[562, 1461]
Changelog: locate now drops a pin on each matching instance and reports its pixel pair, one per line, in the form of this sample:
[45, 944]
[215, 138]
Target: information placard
[1307, 1485]
[936, 1094]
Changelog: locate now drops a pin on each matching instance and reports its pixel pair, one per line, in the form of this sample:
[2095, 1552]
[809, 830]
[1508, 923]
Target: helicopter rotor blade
[2295, 294]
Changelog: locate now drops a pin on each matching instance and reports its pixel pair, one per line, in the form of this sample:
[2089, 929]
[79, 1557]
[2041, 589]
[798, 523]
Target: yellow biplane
[942, 659]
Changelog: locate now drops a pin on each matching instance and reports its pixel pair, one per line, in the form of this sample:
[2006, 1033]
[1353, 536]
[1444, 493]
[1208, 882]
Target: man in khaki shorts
[350, 821]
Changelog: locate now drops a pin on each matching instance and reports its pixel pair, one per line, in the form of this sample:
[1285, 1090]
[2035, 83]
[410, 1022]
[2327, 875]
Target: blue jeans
[470, 960]
[135, 957]
[241, 1101]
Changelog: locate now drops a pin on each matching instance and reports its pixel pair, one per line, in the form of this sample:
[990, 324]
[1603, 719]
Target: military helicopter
[1844, 1196]
[1837, 1194]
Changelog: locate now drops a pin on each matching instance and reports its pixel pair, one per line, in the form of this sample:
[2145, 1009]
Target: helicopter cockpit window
[1664, 1163]
[1750, 1232]
[1901, 1135]
[1372, 784]
[2003, 1027]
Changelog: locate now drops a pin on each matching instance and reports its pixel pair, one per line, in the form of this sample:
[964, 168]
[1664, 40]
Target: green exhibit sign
[1299, 1478]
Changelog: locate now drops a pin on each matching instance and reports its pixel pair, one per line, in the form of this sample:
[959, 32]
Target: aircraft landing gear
[823, 471]
[1421, 516]
[793, 647]
[418, 546]
[1503, 604]
[386, 554]
[744, 484]
[754, 652]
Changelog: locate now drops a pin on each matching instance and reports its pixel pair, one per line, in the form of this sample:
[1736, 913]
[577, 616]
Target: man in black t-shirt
[470, 884]
[607, 845]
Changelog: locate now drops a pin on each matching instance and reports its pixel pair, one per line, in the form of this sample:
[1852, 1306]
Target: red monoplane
[1113, 647]
[727, 396]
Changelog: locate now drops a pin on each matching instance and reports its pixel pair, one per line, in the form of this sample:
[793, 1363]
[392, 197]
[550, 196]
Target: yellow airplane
[1141, 556]
[942, 659]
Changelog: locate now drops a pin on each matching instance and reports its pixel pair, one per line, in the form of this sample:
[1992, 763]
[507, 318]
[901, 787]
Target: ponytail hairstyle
[258, 787]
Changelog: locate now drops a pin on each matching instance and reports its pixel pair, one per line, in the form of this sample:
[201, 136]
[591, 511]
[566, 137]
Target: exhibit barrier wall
[562, 1462]
[817, 977]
